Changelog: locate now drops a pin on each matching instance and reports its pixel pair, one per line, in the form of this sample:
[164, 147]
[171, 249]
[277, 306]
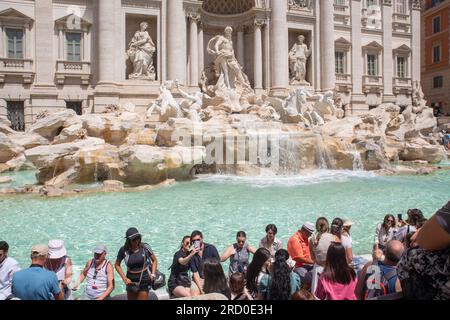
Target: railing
[341, 7]
[343, 78]
[77, 67]
[16, 67]
[403, 82]
[13, 65]
[342, 12]
[401, 18]
[73, 69]
[372, 81]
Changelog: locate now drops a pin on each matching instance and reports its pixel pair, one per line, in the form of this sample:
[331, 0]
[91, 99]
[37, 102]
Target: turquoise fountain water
[217, 205]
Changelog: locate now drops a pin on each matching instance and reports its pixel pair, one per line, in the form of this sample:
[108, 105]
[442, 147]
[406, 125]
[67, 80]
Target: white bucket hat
[56, 249]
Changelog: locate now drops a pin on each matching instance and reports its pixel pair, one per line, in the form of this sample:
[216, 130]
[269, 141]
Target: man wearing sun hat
[298, 248]
[36, 283]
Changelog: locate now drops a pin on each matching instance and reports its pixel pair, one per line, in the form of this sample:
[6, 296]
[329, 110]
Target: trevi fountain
[221, 158]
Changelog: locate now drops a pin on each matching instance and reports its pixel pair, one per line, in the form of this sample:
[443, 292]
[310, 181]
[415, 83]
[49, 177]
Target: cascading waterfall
[290, 159]
[357, 161]
[96, 172]
[325, 160]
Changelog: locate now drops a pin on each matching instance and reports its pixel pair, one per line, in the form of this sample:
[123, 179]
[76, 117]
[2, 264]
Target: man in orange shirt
[298, 248]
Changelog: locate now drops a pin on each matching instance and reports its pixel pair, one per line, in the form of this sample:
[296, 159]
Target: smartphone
[399, 216]
[197, 244]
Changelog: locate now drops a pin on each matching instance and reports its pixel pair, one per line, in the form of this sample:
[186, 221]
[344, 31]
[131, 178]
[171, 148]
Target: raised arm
[432, 236]
[185, 261]
[227, 254]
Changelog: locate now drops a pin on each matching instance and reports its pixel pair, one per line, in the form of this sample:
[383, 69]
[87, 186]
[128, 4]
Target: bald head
[394, 251]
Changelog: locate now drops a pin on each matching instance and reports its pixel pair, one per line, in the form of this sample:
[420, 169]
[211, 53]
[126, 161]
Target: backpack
[381, 288]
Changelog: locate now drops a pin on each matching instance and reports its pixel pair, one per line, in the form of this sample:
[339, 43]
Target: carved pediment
[342, 43]
[373, 46]
[12, 15]
[73, 22]
[403, 49]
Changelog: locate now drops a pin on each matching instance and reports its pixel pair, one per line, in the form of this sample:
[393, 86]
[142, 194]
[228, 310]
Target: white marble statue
[226, 64]
[298, 57]
[418, 98]
[140, 52]
[192, 105]
[324, 105]
[166, 106]
[299, 109]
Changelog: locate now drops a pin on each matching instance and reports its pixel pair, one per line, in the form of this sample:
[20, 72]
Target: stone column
[257, 52]
[87, 39]
[266, 48]
[28, 41]
[61, 43]
[358, 99]
[388, 61]
[241, 46]
[176, 41]
[201, 55]
[416, 41]
[107, 43]
[2, 40]
[327, 41]
[279, 49]
[193, 48]
[45, 67]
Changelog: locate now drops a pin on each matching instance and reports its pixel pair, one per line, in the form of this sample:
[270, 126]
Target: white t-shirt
[401, 234]
[7, 268]
[346, 242]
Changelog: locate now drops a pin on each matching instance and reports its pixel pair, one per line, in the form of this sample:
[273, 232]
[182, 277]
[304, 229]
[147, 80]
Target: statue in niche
[225, 62]
[298, 57]
[140, 52]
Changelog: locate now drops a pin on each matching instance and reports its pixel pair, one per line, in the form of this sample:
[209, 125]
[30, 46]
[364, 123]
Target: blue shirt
[35, 283]
[196, 263]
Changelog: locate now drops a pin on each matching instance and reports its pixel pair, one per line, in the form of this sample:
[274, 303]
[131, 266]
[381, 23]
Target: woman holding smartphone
[179, 282]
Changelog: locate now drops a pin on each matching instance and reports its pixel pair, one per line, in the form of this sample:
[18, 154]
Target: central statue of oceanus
[225, 62]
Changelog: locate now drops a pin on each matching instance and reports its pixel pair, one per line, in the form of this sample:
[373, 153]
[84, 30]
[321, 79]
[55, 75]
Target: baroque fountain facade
[220, 119]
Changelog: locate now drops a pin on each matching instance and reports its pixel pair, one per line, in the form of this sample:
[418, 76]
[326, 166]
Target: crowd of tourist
[410, 259]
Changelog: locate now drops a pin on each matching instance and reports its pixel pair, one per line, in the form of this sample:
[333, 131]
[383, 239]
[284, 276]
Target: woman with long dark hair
[259, 267]
[179, 283]
[338, 280]
[385, 232]
[337, 229]
[215, 280]
[282, 283]
[141, 265]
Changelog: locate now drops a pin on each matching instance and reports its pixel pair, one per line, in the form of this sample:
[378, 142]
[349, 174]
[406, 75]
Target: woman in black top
[141, 265]
[179, 281]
